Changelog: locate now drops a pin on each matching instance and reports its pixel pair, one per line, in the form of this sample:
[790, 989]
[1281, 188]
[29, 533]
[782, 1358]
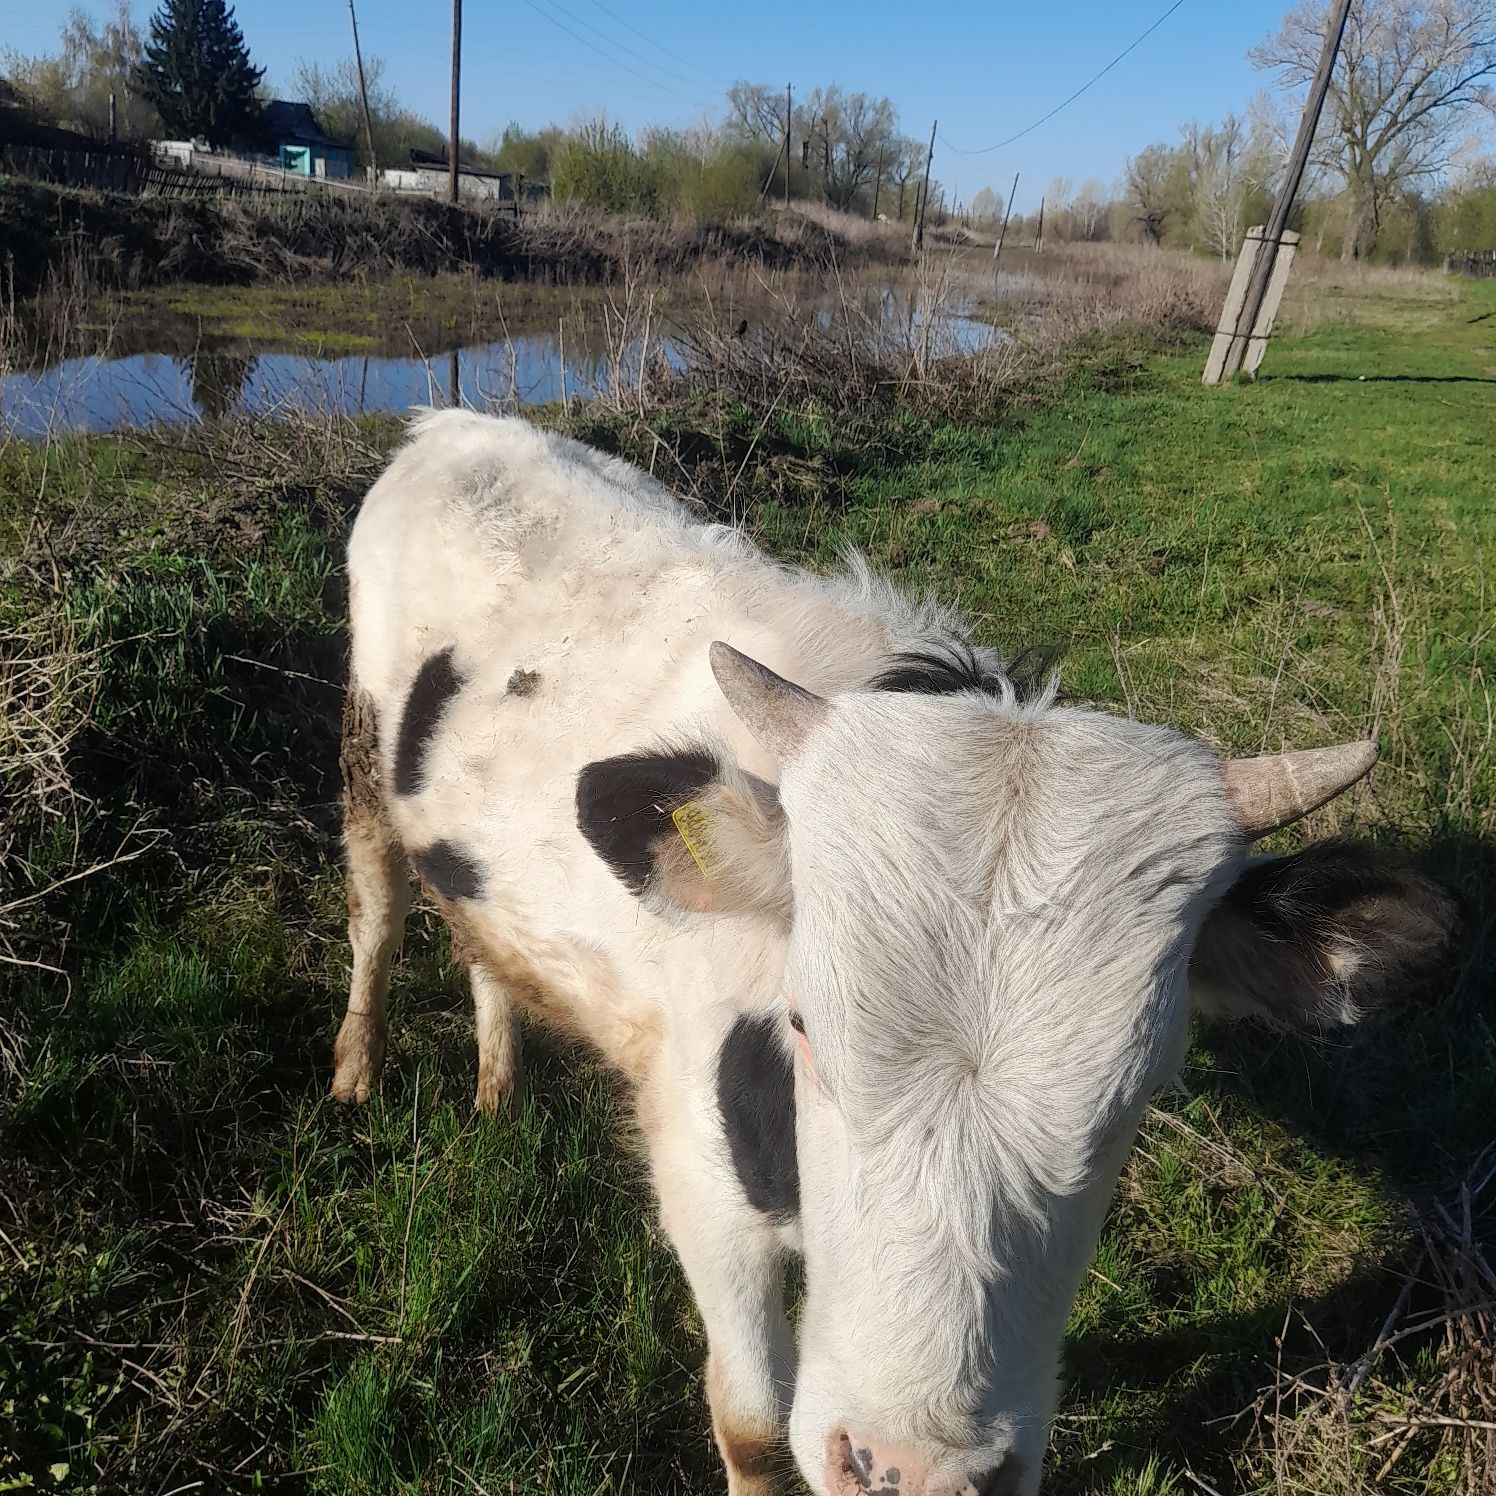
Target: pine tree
[197, 73]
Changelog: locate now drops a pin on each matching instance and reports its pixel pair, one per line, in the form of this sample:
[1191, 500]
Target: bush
[1466, 223]
[598, 165]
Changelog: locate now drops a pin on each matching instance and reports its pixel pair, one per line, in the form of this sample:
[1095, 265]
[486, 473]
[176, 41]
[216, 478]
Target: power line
[633, 52]
[987, 150]
[607, 57]
[659, 46]
[535, 62]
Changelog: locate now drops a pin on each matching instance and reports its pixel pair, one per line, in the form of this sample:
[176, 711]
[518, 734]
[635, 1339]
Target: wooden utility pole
[452, 188]
[1002, 233]
[789, 109]
[1248, 313]
[113, 119]
[363, 96]
[923, 201]
[1039, 237]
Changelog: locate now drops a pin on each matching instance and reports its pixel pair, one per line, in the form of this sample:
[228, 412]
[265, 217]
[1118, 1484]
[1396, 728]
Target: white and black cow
[891, 947]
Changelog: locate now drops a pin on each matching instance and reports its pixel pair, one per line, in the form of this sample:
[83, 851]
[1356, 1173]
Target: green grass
[210, 1274]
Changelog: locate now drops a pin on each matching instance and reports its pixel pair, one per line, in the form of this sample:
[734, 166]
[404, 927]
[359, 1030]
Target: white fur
[994, 905]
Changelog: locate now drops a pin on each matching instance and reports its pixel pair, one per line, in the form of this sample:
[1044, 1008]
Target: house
[301, 145]
[427, 173]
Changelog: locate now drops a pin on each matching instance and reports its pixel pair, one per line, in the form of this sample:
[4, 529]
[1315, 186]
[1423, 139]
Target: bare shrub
[933, 340]
[1353, 1426]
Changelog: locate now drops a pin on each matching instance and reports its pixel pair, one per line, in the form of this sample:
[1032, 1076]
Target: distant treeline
[1404, 104]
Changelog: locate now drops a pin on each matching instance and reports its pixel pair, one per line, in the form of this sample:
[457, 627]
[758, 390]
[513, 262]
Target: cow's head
[997, 914]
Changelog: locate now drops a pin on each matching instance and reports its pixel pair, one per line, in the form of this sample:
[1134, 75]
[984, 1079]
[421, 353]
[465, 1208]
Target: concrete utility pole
[878, 184]
[923, 201]
[452, 188]
[1247, 317]
[1002, 233]
[789, 109]
[363, 96]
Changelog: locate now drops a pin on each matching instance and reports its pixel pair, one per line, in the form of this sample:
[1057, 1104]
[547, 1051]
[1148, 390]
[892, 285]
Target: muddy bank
[110, 241]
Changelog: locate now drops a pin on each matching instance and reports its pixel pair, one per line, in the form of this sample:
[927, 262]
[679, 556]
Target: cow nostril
[858, 1469]
[856, 1459]
[1003, 1479]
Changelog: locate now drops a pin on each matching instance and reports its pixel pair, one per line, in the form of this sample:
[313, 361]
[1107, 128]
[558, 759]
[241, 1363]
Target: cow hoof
[358, 1057]
[498, 1091]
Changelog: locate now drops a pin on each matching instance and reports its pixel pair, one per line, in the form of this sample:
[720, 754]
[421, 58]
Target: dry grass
[931, 339]
[48, 679]
[1352, 1426]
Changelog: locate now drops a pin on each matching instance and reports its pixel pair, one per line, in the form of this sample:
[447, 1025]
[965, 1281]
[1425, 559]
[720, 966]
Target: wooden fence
[246, 174]
[207, 174]
[1482, 262]
[109, 171]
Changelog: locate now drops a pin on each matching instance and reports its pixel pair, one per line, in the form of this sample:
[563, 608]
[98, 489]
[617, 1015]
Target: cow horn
[777, 712]
[1271, 792]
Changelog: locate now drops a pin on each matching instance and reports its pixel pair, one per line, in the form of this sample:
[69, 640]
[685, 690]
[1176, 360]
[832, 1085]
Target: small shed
[427, 173]
[301, 145]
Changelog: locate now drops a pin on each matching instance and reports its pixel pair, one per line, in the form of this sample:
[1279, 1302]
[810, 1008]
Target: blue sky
[985, 70]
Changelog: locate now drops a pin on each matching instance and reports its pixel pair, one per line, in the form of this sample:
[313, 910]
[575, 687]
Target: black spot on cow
[523, 683]
[449, 872]
[436, 683]
[756, 1099]
[953, 666]
[624, 803]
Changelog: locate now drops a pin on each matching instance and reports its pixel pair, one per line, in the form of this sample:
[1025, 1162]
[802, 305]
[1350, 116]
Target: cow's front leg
[734, 1260]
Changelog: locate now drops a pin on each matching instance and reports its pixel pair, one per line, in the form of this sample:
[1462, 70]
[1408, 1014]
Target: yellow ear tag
[695, 828]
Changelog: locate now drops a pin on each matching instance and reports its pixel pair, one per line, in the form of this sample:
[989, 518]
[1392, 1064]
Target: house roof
[431, 161]
[295, 123]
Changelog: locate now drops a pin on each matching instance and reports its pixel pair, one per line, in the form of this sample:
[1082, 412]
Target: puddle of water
[119, 394]
[102, 394]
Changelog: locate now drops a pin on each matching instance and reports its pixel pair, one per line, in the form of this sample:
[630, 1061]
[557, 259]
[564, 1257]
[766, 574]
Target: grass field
[211, 1278]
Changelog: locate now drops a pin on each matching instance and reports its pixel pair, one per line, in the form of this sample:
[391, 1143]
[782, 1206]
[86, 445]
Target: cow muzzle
[860, 1465]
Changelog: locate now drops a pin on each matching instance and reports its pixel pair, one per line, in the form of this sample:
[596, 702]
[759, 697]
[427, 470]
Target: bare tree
[1409, 75]
[986, 206]
[1089, 209]
[756, 113]
[1218, 182]
[333, 94]
[848, 132]
[1057, 222]
[907, 158]
[1149, 179]
[94, 60]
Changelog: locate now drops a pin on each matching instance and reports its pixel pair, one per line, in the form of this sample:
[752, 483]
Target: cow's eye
[797, 1022]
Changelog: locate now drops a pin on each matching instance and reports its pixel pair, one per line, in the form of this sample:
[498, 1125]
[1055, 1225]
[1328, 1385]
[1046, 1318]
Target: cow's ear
[686, 831]
[1320, 938]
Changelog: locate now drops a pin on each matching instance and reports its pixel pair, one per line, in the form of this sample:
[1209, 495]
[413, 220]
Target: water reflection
[217, 381]
[101, 395]
[98, 394]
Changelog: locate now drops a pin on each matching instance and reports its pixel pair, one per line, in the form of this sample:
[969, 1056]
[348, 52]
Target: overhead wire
[615, 61]
[624, 47]
[542, 63]
[613, 15]
[1132, 46]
